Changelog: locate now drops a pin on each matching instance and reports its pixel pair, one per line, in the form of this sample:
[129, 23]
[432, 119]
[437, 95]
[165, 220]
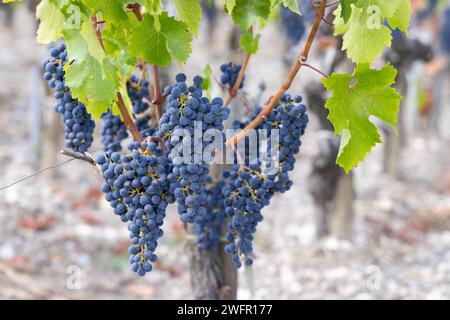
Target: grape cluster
[230, 75]
[78, 123]
[290, 118]
[247, 192]
[138, 90]
[209, 229]
[113, 132]
[187, 112]
[138, 186]
[250, 186]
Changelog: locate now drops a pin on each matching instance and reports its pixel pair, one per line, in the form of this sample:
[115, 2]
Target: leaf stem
[303, 56]
[315, 69]
[98, 32]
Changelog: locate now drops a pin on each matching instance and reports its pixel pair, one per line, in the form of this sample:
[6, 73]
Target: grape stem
[234, 90]
[302, 58]
[129, 123]
[78, 155]
[157, 97]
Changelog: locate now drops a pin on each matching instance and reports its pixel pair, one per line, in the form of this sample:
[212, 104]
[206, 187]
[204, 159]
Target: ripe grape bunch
[230, 74]
[141, 184]
[78, 123]
[290, 118]
[187, 112]
[138, 187]
[247, 192]
[251, 186]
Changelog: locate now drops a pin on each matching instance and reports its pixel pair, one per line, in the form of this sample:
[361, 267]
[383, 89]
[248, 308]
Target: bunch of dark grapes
[138, 91]
[209, 229]
[247, 192]
[78, 123]
[113, 132]
[290, 118]
[230, 75]
[138, 186]
[252, 184]
[188, 112]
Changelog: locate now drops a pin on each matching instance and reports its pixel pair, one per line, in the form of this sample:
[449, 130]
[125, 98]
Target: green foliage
[356, 97]
[159, 43]
[189, 12]
[362, 26]
[52, 22]
[98, 73]
[249, 42]
[206, 74]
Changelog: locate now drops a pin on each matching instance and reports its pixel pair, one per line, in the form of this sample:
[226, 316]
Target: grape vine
[169, 160]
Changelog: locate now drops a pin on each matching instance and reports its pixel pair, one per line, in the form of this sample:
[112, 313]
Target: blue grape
[250, 186]
[138, 187]
[230, 75]
[113, 132]
[290, 118]
[208, 229]
[188, 111]
[247, 192]
[78, 123]
[138, 90]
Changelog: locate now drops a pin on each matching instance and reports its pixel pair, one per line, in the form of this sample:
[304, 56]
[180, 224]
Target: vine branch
[129, 123]
[234, 90]
[303, 56]
[157, 97]
[78, 155]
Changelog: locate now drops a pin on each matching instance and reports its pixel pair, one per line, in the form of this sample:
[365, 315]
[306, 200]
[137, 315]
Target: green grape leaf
[159, 46]
[229, 5]
[91, 76]
[346, 11]
[250, 42]
[52, 22]
[206, 74]
[354, 98]
[153, 7]
[401, 18]
[190, 12]
[247, 12]
[365, 37]
[291, 5]
[112, 11]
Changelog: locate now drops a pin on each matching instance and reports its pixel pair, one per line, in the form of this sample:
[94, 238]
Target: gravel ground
[57, 225]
